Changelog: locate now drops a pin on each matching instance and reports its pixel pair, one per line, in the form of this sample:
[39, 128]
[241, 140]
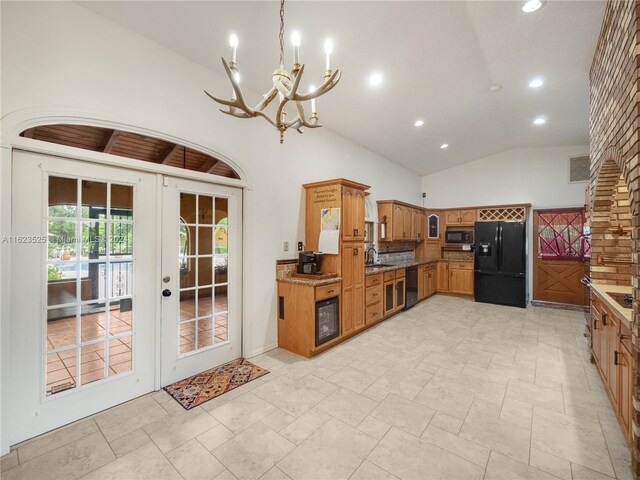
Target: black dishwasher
[412, 286]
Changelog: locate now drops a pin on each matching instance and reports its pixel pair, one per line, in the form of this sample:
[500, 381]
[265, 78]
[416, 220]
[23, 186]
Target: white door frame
[15, 123]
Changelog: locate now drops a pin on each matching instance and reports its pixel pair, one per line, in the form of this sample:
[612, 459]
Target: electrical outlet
[300, 246]
[424, 195]
[286, 246]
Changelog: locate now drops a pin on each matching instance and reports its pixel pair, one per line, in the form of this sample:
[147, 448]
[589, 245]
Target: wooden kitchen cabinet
[611, 352]
[353, 287]
[374, 294]
[297, 316]
[417, 225]
[422, 282]
[461, 278]
[625, 360]
[353, 214]
[443, 277]
[394, 292]
[402, 222]
[430, 280]
[460, 217]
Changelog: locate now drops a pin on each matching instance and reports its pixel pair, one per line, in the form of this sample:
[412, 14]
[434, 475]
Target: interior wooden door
[559, 263]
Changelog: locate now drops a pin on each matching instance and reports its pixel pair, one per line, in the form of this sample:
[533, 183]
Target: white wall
[61, 56]
[539, 176]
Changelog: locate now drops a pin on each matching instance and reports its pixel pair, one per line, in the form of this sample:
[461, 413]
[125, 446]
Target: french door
[83, 298]
[201, 271]
[105, 304]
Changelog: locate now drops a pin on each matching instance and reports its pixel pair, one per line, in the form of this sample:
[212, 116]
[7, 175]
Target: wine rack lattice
[505, 214]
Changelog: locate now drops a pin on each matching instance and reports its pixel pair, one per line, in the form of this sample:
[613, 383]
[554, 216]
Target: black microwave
[458, 236]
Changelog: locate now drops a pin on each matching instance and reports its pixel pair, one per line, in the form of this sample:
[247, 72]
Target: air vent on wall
[579, 169]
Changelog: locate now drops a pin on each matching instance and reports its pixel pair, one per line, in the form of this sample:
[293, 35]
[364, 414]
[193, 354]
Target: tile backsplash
[396, 257]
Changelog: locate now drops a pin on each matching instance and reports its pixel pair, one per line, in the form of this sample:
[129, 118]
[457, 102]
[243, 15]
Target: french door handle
[166, 292]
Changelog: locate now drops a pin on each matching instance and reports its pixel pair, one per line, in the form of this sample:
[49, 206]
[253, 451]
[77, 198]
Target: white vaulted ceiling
[438, 59]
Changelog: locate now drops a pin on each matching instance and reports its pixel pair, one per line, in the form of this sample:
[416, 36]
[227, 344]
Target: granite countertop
[601, 290]
[412, 263]
[311, 282]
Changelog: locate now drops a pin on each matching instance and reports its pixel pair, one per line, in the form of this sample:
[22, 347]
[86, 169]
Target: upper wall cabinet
[398, 221]
[433, 226]
[460, 217]
[336, 202]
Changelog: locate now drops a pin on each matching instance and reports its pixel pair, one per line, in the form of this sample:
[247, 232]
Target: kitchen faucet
[369, 261]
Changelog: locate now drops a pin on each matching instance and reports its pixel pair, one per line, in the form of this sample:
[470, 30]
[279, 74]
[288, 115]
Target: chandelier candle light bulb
[233, 41]
[295, 40]
[328, 50]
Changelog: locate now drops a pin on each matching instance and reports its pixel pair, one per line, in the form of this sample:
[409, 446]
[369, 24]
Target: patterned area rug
[204, 386]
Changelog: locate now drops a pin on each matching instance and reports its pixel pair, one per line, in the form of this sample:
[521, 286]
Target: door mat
[209, 384]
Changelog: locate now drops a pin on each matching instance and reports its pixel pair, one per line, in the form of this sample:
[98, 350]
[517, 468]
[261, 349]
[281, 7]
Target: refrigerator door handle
[499, 245]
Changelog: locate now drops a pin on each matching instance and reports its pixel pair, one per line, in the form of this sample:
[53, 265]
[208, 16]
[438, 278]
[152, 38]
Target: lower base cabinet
[309, 317]
[373, 299]
[611, 352]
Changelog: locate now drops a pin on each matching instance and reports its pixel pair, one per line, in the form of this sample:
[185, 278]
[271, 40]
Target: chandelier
[286, 86]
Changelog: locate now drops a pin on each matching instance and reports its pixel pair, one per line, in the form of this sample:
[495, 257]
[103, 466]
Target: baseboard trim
[260, 351]
[560, 306]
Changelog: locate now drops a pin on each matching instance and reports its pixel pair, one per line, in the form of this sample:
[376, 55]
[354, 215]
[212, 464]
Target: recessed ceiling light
[539, 121]
[419, 123]
[375, 79]
[495, 88]
[444, 145]
[531, 6]
[536, 83]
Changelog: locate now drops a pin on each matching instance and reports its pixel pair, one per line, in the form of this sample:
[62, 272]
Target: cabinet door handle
[355, 232]
[622, 336]
[595, 324]
[330, 291]
[355, 252]
[604, 319]
[615, 357]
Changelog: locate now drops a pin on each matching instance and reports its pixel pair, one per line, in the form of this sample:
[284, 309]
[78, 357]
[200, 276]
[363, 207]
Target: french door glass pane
[119, 356]
[63, 197]
[89, 280]
[203, 264]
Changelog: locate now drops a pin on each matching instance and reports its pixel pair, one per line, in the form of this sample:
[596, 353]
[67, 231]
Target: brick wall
[614, 122]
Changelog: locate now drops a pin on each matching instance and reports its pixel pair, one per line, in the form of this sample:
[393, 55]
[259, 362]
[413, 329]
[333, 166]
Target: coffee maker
[309, 262]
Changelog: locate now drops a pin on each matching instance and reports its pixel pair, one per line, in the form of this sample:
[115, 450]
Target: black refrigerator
[501, 263]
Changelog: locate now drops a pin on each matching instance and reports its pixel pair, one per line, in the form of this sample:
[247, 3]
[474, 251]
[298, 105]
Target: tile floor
[448, 390]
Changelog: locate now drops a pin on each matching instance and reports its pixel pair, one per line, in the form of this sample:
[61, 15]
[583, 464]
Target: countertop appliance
[458, 235]
[501, 263]
[309, 262]
[412, 286]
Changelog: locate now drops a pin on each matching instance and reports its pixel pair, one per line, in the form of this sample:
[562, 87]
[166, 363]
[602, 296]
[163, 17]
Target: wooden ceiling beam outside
[170, 153]
[212, 167]
[28, 133]
[126, 144]
[113, 138]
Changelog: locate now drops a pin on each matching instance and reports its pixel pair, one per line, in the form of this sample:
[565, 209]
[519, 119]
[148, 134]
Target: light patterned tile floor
[450, 389]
